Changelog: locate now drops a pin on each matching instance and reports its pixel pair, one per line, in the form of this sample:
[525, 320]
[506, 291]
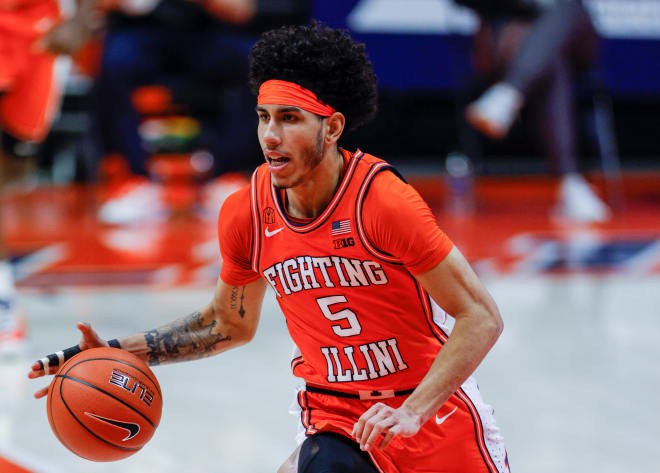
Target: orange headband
[288, 93]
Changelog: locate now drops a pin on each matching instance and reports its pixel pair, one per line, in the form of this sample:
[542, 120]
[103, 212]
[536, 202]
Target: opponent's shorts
[29, 81]
[461, 438]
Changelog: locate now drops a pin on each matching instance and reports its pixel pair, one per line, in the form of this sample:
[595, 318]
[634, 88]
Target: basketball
[104, 404]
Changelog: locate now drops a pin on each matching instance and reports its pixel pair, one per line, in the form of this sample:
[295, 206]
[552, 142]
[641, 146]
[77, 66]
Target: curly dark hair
[326, 61]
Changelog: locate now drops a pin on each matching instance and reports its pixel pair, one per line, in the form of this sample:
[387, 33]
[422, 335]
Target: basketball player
[32, 34]
[360, 270]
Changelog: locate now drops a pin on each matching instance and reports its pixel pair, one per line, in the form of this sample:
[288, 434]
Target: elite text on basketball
[132, 385]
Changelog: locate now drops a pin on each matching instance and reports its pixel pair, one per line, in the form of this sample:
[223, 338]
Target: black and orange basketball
[104, 404]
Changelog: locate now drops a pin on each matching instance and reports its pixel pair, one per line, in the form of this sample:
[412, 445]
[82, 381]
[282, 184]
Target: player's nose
[271, 134]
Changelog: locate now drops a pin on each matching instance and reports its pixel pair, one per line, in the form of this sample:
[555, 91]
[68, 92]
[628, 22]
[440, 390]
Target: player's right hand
[50, 364]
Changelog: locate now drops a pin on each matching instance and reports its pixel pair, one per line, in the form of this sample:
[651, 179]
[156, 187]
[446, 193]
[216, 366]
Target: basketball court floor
[574, 377]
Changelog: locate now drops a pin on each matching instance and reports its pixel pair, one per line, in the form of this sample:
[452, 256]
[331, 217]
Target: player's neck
[309, 199]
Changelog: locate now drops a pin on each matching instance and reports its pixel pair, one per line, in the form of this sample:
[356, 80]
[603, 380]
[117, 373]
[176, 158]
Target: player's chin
[281, 182]
[277, 181]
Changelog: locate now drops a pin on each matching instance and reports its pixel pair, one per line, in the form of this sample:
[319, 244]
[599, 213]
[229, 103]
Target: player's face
[292, 142]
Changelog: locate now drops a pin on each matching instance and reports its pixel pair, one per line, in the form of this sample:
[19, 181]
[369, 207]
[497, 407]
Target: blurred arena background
[573, 377]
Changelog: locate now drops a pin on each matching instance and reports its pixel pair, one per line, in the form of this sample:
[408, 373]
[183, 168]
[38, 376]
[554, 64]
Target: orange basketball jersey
[357, 315]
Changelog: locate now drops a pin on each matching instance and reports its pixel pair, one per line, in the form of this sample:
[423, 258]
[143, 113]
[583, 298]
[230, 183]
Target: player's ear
[334, 127]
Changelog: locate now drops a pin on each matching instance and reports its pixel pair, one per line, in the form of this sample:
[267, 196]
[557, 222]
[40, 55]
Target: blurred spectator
[32, 34]
[198, 50]
[533, 51]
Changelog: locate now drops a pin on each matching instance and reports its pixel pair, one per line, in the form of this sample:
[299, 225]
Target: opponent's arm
[478, 325]
[228, 321]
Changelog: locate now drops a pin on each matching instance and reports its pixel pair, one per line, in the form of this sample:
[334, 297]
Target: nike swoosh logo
[440, 420]
[133, 429]
[274, 232]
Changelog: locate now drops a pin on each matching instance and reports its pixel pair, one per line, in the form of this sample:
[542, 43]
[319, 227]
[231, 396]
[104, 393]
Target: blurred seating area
[146, 119]
[156, 111]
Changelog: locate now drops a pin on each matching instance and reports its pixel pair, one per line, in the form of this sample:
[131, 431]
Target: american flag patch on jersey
[341, 227]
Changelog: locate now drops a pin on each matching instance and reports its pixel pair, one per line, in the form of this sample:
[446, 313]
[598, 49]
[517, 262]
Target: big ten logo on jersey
[343, 243]
[132, 385]
[362, 362]
[303, 273]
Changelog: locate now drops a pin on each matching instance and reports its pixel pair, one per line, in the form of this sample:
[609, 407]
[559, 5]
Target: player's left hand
[381, 419]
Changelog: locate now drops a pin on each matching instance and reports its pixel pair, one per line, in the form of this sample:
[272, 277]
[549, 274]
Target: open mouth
[277, 161]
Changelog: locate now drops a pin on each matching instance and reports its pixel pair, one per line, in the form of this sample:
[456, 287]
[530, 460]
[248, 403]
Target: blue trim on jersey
[358, 203]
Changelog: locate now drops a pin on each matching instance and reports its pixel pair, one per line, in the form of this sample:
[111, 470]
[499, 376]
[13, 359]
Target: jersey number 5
[354, 327]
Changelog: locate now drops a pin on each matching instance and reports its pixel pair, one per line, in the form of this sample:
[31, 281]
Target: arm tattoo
[188, 338]
[241, 309]
[234, 302]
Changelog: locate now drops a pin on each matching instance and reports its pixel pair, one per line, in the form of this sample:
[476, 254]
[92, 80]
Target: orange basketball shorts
[461, 438]
[28, 80]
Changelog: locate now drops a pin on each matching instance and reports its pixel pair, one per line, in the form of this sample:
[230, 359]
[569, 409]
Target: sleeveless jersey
[359, 318]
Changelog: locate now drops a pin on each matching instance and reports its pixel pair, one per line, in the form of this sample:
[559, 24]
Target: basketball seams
[86, 383]
[89, 439]
[52, 417]
[83, 425]
[154, 382]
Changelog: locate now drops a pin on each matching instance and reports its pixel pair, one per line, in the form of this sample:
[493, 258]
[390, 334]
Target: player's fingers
[371, 423]
[41, 393]
[367, 428]
[358, 427]
[380, 425]
[38, 369]
[90, 339]
[49, 364]
[86, 331]
[85, 327]
[388, 437]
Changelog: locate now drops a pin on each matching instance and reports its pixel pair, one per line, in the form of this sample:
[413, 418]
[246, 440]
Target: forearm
[471, 339]
[187, 338]
[230, 320]
[227, 322]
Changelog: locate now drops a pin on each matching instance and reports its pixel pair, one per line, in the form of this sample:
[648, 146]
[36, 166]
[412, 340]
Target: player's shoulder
[239, 198]
[387, 190]
[369, 160]
[236, 206]
[384, 178]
